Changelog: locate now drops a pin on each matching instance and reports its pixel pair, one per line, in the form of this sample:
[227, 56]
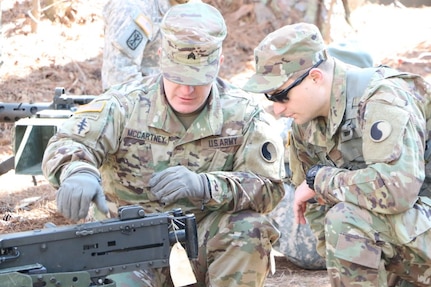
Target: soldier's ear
[159, 52]
[316, 74]
[221, 59]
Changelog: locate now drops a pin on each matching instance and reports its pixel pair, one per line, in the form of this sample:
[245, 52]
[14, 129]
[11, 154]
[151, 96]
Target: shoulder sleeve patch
[82, 127]
[380, 130]
[383, 132]
[131, 39]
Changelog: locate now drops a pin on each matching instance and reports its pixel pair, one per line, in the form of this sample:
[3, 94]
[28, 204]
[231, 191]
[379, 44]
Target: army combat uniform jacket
[132, 38]
[384, 168]
[372, 148]
[129, 137]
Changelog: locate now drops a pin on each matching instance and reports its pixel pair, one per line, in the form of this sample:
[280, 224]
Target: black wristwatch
[311, 175]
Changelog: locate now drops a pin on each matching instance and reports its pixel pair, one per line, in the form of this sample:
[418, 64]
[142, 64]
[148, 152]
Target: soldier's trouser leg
[234, 249]
[361, 246]
[297, 242]
[315, 216]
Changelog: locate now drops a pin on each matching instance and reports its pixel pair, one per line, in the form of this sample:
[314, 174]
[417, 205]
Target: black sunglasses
[282, 95]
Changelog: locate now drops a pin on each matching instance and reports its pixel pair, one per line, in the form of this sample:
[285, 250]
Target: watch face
[312, 171]
[311, 175]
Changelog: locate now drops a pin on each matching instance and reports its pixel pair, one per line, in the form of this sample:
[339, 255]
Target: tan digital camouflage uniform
[373, 216]
[297, 242]
[130, 132]
[132, 38]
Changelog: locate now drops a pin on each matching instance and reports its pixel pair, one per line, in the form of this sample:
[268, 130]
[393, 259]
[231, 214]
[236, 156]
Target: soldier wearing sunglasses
[358, 153]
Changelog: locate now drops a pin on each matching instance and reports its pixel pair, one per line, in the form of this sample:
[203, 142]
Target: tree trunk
[35, 13]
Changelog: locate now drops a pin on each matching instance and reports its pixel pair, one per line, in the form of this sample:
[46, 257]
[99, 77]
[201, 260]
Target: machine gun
[85, 254]
[35, 124]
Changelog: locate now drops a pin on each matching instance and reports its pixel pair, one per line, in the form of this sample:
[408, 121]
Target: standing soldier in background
[132, 38]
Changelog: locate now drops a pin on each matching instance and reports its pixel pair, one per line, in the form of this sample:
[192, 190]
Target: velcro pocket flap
[358, 250]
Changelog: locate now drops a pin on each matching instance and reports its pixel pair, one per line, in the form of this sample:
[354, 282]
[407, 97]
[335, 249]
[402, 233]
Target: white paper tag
[181, 269]
[272, 261]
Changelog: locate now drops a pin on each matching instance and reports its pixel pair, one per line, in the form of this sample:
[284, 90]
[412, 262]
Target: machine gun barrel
[133, 241]
[12, 112]
[34, 125]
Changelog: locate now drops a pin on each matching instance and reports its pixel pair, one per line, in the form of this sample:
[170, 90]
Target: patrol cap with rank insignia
[192, 36]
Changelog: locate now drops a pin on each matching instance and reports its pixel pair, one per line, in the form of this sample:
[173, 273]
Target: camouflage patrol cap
[192, 36]
[283, 52]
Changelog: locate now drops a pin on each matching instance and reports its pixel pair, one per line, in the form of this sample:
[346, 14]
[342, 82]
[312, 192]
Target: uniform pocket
[358, 250]
[220, 161]
[413, 222]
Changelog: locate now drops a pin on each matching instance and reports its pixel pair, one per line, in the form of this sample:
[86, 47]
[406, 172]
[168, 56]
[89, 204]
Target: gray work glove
[77, 191]
[178, 182]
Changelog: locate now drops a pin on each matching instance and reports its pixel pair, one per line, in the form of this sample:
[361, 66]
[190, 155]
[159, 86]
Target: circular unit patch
[380, 131]
[268, 152]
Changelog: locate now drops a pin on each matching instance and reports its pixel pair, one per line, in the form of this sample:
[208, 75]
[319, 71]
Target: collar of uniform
[320, 132]
[338, 98]
[164, 6]
[162, 117]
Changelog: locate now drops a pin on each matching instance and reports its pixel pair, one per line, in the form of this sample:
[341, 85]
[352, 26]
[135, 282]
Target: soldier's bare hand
[302, 194]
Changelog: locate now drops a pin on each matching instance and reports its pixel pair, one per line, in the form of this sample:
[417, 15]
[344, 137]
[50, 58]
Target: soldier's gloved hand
[77, 191]
[178, 182]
